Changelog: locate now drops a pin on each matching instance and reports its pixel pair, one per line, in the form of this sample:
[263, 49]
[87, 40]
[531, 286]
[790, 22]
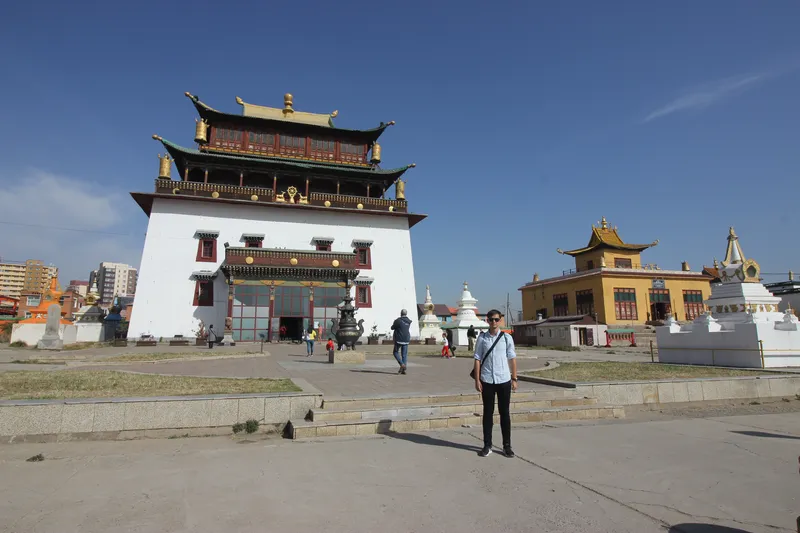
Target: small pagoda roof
[286, 119]
[182, 155]
[605, 236]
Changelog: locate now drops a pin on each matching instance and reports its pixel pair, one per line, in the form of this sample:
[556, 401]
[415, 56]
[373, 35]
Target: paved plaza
[702, 475]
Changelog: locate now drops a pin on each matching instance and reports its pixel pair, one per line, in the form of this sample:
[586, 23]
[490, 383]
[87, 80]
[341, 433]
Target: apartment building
[114, 279]
[30, 276]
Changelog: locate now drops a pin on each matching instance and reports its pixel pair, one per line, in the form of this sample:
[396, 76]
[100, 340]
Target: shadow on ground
[375, 372]
[704, 528]
[431, 441]
[766, 435]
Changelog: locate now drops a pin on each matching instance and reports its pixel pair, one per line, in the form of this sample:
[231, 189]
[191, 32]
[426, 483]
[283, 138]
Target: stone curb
[110, 361]
[62, 418]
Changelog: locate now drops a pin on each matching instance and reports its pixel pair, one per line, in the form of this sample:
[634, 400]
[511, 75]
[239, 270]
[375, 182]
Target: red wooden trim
[230, 301]
[368, 264]
[200, 258]
[271, 314]
[210, 285]
[241, 179]
[359, 302]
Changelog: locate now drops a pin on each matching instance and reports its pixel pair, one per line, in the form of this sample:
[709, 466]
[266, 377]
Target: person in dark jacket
[472, 334]
[402, 336]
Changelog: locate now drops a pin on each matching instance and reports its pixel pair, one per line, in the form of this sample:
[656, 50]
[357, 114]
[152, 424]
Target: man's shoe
[507, 451]
[485, 451]
[403, 369]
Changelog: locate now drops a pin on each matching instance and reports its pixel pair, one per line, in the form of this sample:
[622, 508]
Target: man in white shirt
[495, 374]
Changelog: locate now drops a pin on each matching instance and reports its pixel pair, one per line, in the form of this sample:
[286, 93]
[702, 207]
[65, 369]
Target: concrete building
[610, 280]
[114, 279]
[79, 286]
[270, 221]
[30, 276]
[789, 291]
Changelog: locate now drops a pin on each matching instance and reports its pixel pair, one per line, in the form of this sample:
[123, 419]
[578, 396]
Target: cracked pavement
[673, 474]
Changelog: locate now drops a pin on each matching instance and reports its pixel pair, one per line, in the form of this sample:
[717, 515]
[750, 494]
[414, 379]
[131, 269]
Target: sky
[528, 122]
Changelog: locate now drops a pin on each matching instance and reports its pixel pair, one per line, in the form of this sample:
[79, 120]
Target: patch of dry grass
[613, 371]
[162, 356]
[37, 385]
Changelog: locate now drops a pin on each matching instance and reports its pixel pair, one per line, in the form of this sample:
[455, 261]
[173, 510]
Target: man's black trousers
[503, 392]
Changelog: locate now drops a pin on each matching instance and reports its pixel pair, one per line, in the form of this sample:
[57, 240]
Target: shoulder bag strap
[492, 348]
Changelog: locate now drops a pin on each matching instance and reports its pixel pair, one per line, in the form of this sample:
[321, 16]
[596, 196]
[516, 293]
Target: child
[330, 347]
[446, 347]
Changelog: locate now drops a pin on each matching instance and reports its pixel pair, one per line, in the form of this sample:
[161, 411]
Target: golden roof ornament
[287, 103]
[376, 153]
[164, 166]
[201, 131]
[400, 189]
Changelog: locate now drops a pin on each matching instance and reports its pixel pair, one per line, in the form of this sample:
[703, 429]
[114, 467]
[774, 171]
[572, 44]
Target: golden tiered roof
[287, 114]
[603, 235]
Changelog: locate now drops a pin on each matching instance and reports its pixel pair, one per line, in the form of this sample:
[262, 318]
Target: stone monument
[741, 327]
[465, 318]
[429, 324]
[52, 339]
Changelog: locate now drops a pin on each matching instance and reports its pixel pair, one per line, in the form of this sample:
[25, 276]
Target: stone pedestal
[347, 356]
[51, 339]
[227, 340]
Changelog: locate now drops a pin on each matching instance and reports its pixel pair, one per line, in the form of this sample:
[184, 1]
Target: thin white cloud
[54, 205]
[710, 93]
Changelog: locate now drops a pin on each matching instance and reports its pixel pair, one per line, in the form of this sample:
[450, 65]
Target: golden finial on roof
[412, 165]
[535, 276]
[685, 266]
[288, 100]
[391, 123]
[731, 232]
[603, 223]
[187, 94]
[239, 101]
[157, 137]
[716, 263]
[201, 131]
[335, 113]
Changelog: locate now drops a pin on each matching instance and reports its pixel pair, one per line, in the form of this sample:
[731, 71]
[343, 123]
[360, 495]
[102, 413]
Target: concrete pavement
[684, 475]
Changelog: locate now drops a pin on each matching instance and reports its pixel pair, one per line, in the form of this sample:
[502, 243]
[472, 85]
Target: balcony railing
[209, 190]
[265, 195]
[633, 266]
[289, 258]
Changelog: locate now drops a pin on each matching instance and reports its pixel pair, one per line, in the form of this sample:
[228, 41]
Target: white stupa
[742, 325]
[465, 318]
[429, 324]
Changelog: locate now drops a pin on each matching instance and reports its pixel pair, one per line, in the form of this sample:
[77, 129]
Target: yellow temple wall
[595, 256]
[602, 287]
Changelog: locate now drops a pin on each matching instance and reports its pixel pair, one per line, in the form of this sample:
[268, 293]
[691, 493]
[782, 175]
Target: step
[304, 429]
[435, 399]
[455, 408]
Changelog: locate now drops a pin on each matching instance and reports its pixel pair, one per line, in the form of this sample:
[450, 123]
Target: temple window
[352, 152]
[584, 301]
[589, 265]
[206, 246]
[323, 247]
[227, 138]
[625, 304]
[253, 240]
[323, 149]
[322, 244]
[293, 145]
[363, 296]
[364, 259]
[204, 293]
[261, 142]
[693, 304]
[560, 305]
[622, 263]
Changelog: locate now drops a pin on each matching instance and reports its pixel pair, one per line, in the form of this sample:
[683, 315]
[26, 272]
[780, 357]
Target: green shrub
[238, 427]
[251, 426]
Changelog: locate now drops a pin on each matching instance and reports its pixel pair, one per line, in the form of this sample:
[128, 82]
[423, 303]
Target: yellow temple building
[609, 279]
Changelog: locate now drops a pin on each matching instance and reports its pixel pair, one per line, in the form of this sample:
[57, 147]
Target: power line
[42, 226]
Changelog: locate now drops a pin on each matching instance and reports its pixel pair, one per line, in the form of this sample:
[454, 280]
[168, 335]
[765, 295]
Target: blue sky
[528, 121]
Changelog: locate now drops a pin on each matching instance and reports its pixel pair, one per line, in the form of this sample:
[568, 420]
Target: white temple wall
[165, 291]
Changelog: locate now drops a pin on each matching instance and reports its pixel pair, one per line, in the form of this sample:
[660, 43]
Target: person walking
[402, 336]
[495, 375]
[471, 336]
[450, 343]
[310, 337]
[445, 346]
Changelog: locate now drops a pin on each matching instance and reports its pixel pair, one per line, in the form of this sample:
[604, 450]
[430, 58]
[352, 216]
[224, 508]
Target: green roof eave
[212, 115]
[182, 155]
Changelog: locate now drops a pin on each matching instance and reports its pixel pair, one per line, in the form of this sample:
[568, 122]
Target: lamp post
[596, 330]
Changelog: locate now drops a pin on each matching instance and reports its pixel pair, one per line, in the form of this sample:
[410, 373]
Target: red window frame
[625, 304]
[366, 300]
[253, 243]
[368, 251]
[204, 293]
[206, 259]
[622, 262]
[560, 304]
[323, 247]
[693, 308]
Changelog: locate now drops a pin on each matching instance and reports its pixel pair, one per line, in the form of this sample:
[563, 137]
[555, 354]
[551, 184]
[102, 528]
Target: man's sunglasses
[493, 319]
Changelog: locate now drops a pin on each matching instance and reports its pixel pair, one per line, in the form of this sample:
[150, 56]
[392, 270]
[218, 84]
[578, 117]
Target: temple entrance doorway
[659, 310]
[294, 327]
